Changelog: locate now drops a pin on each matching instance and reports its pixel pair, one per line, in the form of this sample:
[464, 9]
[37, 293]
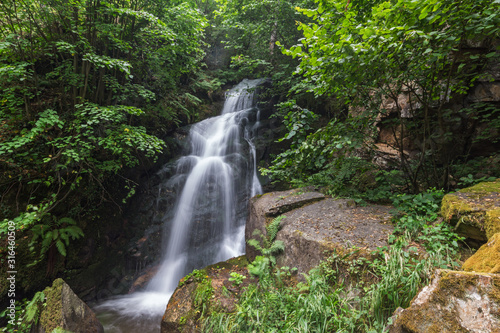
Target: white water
[219, 176]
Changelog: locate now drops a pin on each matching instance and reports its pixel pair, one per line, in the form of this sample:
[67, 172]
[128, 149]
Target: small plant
[268, 246]
[236, 278]
[27, 314]
[470, 180]
[55, 235]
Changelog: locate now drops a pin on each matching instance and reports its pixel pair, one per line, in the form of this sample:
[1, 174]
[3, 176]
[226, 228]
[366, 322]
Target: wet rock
[474, 211]
[141, 282]
[453, 302]
[486, 259]
[312, 227]
[65, 310]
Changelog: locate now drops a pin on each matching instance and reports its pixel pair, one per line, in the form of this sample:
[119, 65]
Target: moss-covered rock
[453, 302]
[474, 211]
[66, 311]
[487, 258]
[204, 291]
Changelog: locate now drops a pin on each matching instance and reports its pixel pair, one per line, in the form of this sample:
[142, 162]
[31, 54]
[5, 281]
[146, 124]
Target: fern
[273, 228]
[268, 247]
[60, 247]
[33, 309]
[56, 233]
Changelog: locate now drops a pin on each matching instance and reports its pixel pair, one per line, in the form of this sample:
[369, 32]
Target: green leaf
[61, 248]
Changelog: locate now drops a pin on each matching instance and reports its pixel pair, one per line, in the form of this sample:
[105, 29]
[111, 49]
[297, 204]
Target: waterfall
[214, 181]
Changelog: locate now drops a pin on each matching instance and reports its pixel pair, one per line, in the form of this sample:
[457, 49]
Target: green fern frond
[74, 231]
[67, 220]
[277, 247]
[32, 308]
[273, 228]
[256, 244]
[61, 248]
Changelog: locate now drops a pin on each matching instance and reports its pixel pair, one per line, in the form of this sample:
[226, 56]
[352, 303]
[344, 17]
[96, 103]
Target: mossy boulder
[66, 311]
[204, 291]
[474, 211]
[486, 259]
[453, 302]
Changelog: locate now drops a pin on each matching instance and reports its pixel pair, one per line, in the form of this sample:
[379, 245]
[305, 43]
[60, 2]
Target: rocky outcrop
[65, 310]
[474, 211]
[315, 225]
[453, 302]
[486, 259]
[204, 290]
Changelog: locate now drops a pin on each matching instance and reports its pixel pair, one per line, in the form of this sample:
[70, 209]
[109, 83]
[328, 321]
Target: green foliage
[273, 307]
[56, 233]
[317, 152]
[471, 181]
[27, 314]
[202, 296]
[79, 83]
[197, 275]
[251, 29]
[236, 278]
[268, 246]
[369, 52]
[415, 211]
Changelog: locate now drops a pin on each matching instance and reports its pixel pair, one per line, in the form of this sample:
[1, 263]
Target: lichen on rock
[474, 211]
[453, 302]
[486, 259]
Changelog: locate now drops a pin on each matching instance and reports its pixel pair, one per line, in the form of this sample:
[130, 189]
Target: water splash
[216, 179]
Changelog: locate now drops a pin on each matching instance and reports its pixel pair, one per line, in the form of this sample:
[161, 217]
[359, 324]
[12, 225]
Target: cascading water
[214, 182]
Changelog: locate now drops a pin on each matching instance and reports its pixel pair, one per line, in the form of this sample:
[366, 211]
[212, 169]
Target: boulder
[315, 225]
[65, 310]
[453, 302]
[486, 259]
[474, 211]
[263, 208]
[203, 290]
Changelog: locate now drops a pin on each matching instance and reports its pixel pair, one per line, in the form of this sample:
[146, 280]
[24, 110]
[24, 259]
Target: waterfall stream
[213, 182]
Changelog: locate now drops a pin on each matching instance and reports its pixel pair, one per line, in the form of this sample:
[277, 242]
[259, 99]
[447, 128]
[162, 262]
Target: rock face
[315, 224]
[474, 211]
[453, 302]
[65, 310]
[486, 259]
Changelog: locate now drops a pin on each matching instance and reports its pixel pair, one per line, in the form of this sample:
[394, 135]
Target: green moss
[51, 316]
[486, 259]
[474, 210]
[485, 187]
[492, 222]
[451, 205]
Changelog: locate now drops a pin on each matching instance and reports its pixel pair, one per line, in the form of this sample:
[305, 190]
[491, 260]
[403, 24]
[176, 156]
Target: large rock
[474, 211]
[65, 310]
[204, 290]
[453, 302]
[486, 259]
[315, 225]
[263, 208]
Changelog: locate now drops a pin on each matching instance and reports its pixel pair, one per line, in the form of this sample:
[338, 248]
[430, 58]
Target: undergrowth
[347, 292]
